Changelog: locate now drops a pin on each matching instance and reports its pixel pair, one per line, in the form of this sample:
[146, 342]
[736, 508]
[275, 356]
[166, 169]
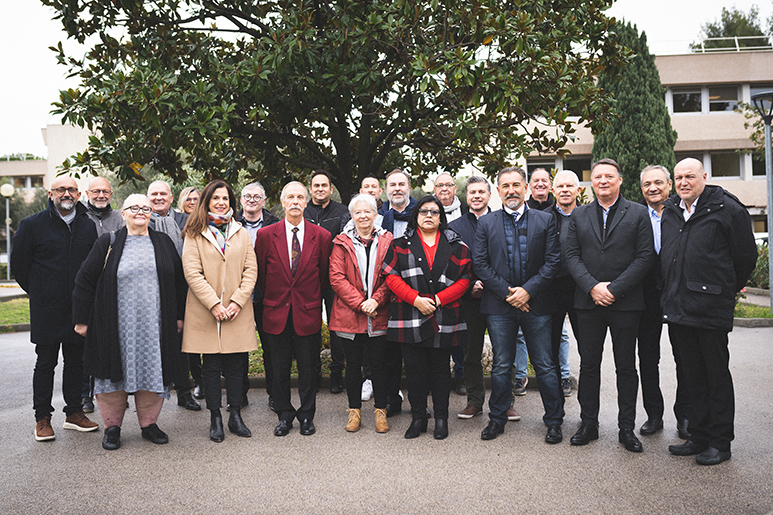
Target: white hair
[363, 197]
[655, 167]
[562, 174]
[291, 183]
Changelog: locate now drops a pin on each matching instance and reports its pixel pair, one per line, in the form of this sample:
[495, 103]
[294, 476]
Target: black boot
[185, 400]
[336, 382]
[216, 433]
[418, 426]
[236, 424]
[441, 428]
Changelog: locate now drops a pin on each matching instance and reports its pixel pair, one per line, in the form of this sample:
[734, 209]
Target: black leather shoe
[688, 448]
[307, 427]
[186, 400]
[585, 434]
[154, 434]
[198, 392]
[441, 428]
[554, 434]
[418, 426]
[394, 409]
[651, 426]
[236, 424]
[336, 383]
[216, 433]
[492, 430]
[681, 428]
[283, 428]
[627, 438]
[712, 456]
[112, 438]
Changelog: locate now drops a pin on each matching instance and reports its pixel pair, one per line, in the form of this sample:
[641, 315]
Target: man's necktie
[296, 257]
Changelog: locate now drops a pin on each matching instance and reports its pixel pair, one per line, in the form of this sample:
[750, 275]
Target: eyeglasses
[136, 209]
[248, 197]
[62, 191]
[429, 212]
[101, 192]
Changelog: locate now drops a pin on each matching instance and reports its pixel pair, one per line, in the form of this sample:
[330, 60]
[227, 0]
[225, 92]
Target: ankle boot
[381, 421]
[216, 433]
[236, 424]
[441, 428]
[418, 426]
[353, 423]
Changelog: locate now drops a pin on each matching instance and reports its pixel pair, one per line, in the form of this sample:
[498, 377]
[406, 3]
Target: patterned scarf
[218, 226]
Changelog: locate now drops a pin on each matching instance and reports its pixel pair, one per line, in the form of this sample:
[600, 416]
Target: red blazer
[282, 291]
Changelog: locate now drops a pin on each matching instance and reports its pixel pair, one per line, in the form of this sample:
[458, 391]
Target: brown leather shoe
[353, 424]
[80, 422]
[469, 411]
[381, 421]
[513, 415]
[43, 430]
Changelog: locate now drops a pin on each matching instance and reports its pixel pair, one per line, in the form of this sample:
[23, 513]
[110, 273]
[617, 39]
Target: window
[725, 164]
[759, 88]
[758, 164]
[687, 100]
[723, 98]
[579, 165]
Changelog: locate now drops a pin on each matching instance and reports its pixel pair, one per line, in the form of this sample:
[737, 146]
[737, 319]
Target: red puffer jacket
[346, 281]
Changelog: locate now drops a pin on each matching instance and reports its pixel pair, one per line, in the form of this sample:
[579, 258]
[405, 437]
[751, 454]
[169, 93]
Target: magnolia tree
[278, 89]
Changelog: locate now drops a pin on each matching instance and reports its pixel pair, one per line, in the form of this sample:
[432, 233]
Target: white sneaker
[367, 390]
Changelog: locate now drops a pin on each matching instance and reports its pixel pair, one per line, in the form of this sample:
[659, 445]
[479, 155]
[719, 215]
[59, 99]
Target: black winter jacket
[706, 260]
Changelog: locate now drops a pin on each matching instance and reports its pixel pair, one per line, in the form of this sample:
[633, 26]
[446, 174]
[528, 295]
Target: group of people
[141, 299]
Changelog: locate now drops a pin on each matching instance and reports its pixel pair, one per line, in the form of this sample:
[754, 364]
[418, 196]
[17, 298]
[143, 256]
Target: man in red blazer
[293, 260]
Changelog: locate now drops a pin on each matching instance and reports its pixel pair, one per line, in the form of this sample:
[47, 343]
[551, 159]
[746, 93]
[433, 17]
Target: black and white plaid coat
[405, 258]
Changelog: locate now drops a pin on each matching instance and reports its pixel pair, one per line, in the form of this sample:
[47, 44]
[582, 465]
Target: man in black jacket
[48, 249]
[332, 216]
[608, 252]
[707, 255]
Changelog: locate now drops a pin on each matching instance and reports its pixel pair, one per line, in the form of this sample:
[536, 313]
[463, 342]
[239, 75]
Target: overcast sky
[30, 79]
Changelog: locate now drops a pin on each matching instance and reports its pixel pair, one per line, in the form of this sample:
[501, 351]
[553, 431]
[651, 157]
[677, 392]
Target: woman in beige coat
[221, 270]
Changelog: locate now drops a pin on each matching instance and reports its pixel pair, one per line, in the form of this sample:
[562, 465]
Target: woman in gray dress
[128, 302]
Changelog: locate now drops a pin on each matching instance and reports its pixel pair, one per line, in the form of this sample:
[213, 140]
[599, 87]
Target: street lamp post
[7, 190]
[764, 103]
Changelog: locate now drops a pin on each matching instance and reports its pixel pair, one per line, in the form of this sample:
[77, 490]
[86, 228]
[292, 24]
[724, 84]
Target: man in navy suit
[609, 252]
[516, 254]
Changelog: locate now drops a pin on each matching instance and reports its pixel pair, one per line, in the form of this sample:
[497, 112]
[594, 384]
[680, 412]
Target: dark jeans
[43, 377]
[706, 360]
[337, 356]
[427, 370]
[231, 366]
[473, 349]
[592, 331]
[355, 349]
[283, 347]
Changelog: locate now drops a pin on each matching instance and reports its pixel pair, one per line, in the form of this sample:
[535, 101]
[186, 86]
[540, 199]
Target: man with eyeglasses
[48, 249]
[99, 209]
[445, 191]
[255, 216]
[516, 255]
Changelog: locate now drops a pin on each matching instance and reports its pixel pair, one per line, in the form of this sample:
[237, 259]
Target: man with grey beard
[48, 249]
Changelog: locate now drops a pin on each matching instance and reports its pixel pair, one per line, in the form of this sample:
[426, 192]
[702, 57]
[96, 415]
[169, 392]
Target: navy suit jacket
[491, 263]
[623, 258]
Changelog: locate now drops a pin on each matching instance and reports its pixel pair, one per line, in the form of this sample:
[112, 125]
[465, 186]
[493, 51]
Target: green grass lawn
[16, 311]
[751, 311]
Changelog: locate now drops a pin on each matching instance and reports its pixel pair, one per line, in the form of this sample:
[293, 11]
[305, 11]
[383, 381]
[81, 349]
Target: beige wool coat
[215, 277]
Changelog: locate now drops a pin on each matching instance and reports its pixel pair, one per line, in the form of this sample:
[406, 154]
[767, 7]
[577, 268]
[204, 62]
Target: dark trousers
[394, 372]
[194, 360]
[564, 306]
[283, 347]
[337, 356]
[427, 370]
[473, 349]
[43, 377]
[257, 308]
[648, 343]
[231, 366]
[706, 360]
[355, 349]
[592, 330]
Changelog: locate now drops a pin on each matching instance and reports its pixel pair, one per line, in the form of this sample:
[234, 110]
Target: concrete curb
[753, 322]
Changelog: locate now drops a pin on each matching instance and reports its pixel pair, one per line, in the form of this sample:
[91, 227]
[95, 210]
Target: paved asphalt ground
[338, 472]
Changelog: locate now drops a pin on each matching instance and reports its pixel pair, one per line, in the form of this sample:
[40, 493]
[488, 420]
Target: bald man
[707, 254]
[100, 211]
[48, 249]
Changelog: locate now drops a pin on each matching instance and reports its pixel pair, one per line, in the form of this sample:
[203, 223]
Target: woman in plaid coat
[428, 271]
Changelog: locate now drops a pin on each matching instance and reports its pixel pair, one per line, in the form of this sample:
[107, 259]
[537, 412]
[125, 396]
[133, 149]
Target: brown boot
[354, 421]
[381, 421]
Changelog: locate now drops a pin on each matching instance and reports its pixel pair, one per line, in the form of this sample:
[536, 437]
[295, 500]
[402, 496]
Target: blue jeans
[522, 356]
[563, 353]
[502, 330]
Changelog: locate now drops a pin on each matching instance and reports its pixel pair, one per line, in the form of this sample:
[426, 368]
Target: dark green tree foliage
[640, 134]
[734, 22]
[280, 88]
